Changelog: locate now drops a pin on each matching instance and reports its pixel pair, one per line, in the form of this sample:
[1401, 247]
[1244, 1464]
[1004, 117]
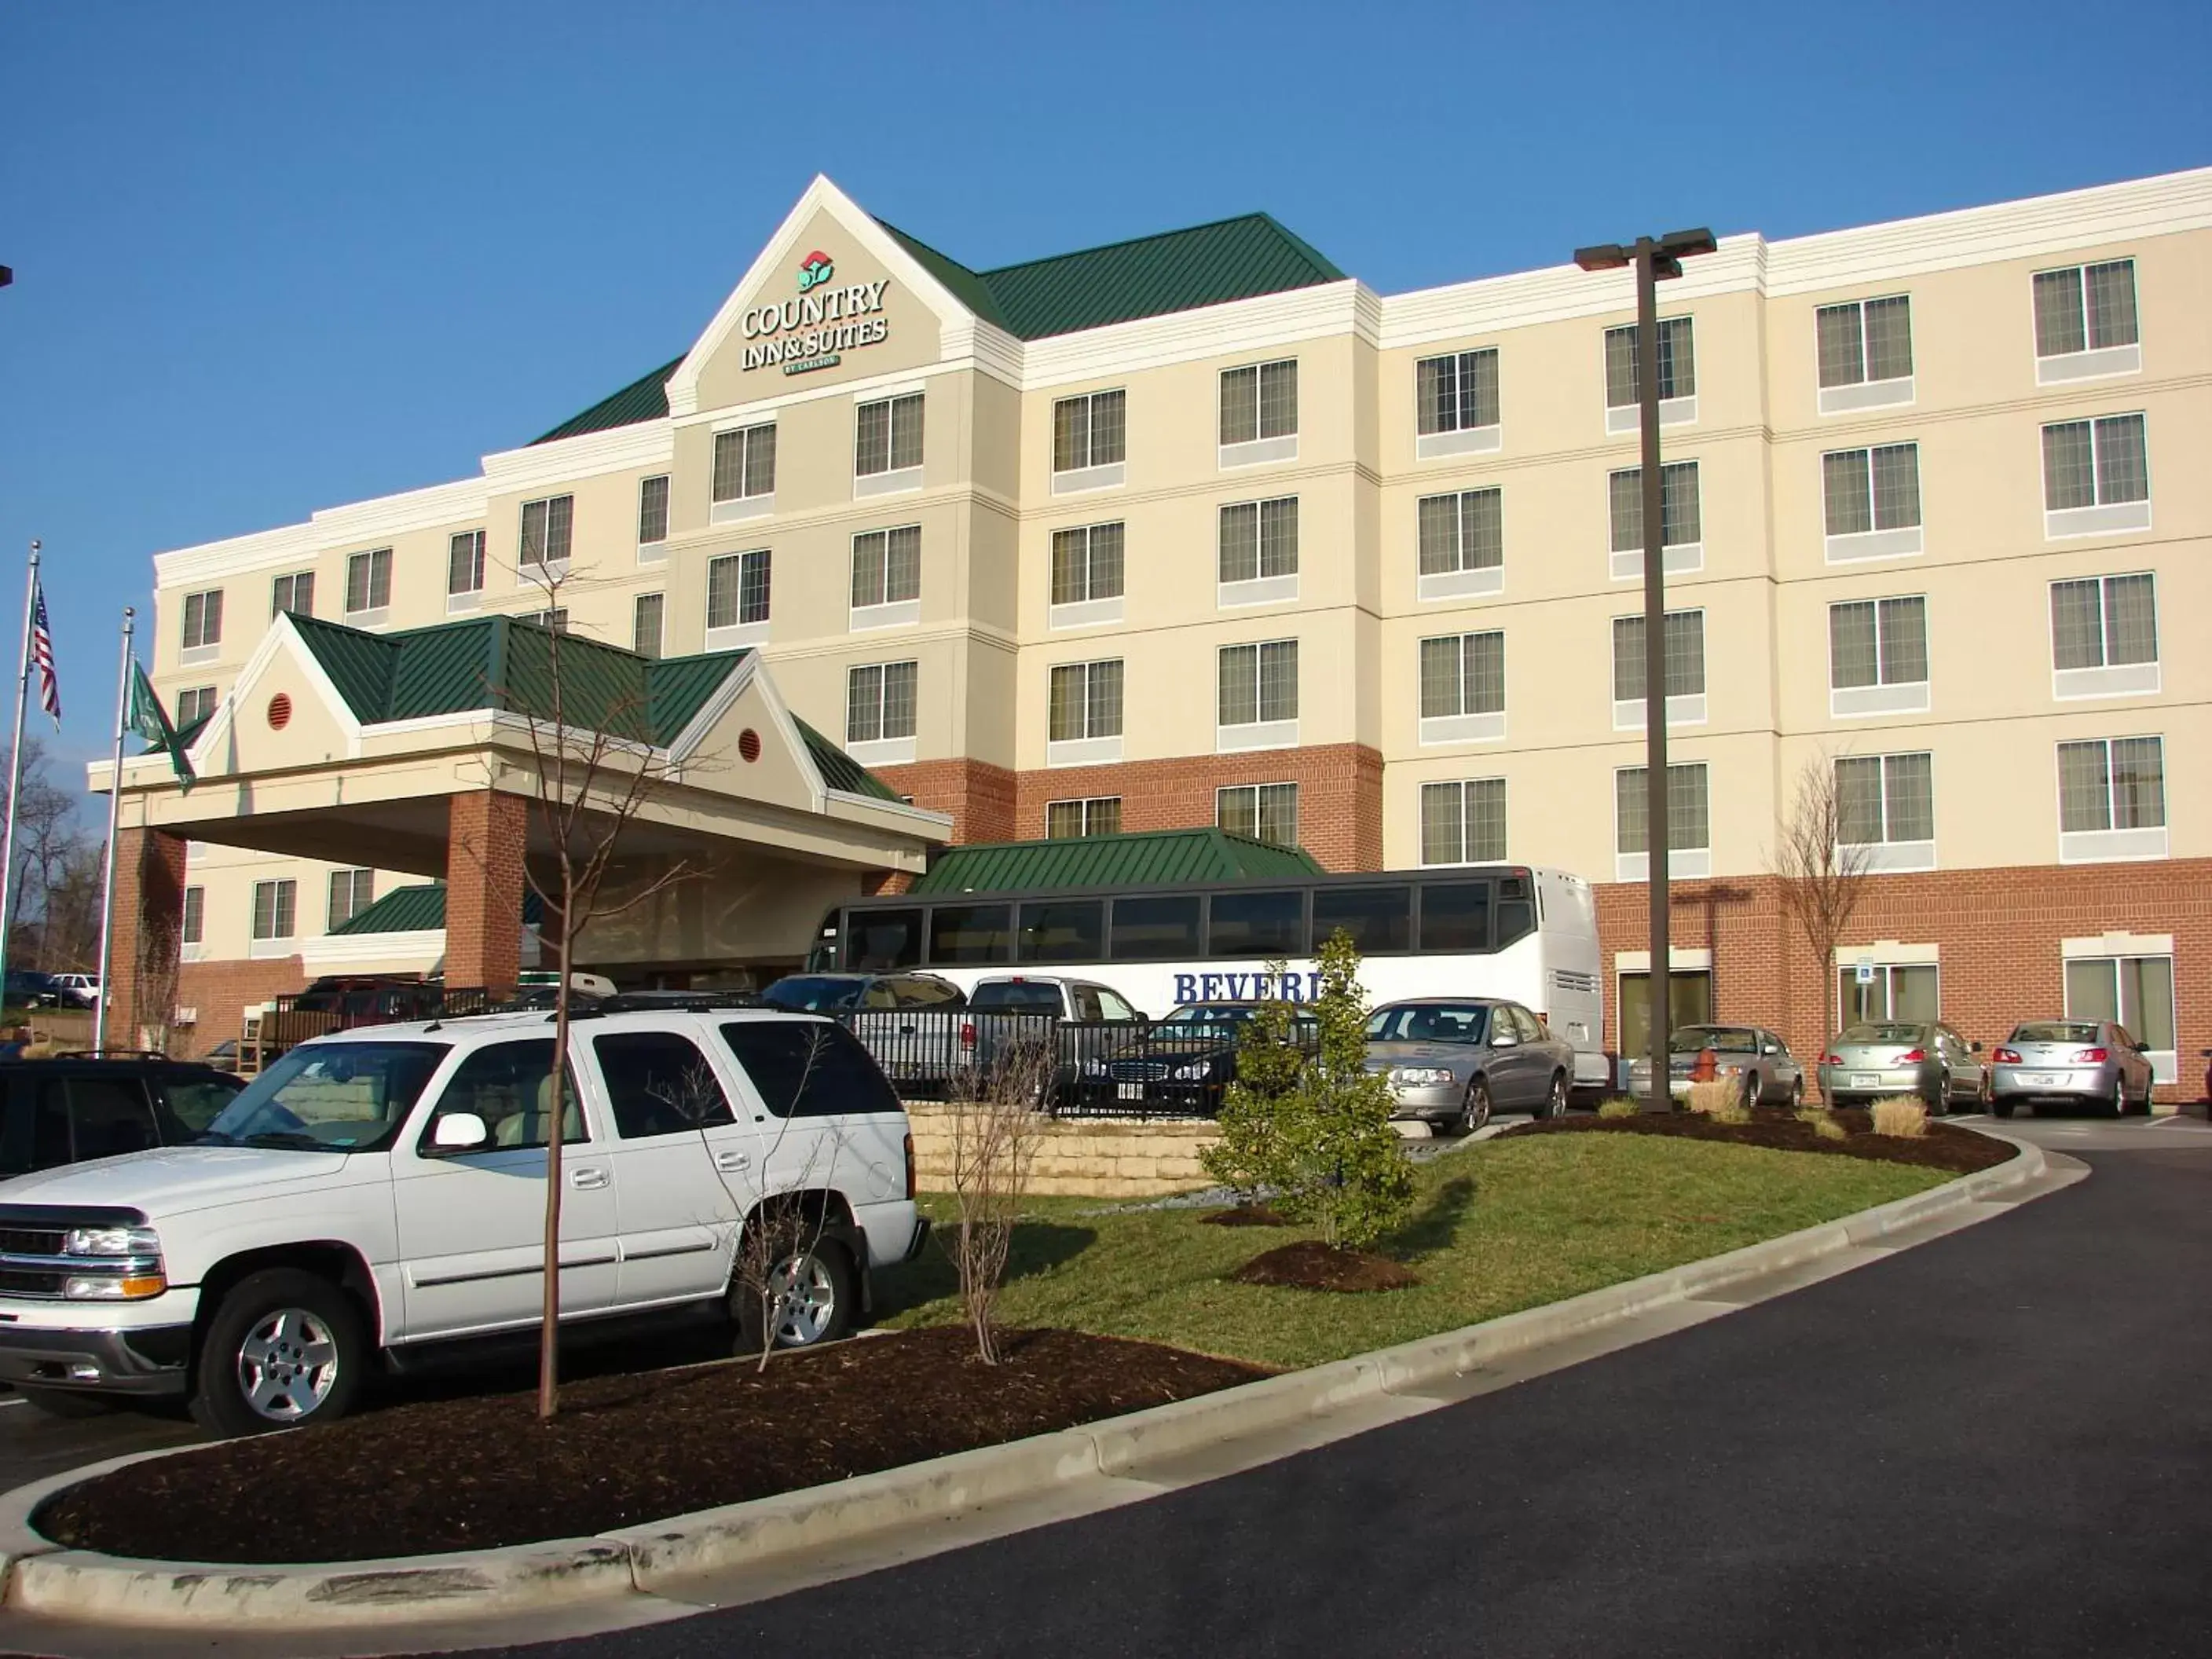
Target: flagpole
[114, 826]
[15, 769]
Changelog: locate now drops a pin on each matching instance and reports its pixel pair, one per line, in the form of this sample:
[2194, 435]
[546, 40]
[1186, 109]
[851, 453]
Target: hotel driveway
[1996, 1443]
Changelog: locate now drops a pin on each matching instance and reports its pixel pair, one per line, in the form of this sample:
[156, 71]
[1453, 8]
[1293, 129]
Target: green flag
[151, 720]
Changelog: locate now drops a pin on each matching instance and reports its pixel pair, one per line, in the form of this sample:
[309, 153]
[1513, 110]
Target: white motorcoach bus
[1530, 935]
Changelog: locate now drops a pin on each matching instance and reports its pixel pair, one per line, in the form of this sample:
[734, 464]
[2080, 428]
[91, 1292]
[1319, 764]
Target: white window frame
[2101, 518]
[730, 636]
[1086, 806]
[464, 598]
[1460, 438]
[2108, 679]
[1683, 863]
[192, 924]
[888, 749]
[1093, 474]
[354, 878]
[654, 548]
[755, 496]
[556, 620]
[1255, 790]
[371, 615]
[1466, 856]
[290, 583]
[2110, 845]
[1889, 856]
[1849, 397]
[1281, 588]
[551, 564]
[1262, 448]
[1683, 708]
[1885, 695]
[1258, 732]
[1463, 581]
[2113, 951]
[659, 601]
[1675, 558]
[202, 643]
[1095, 747]
[2092, 363]
[1466, 726]
[1894, 542]
[284, 895]
[204, 702]
[884, 612]
[1622, 419]
[1888, 958]
[1094, 609]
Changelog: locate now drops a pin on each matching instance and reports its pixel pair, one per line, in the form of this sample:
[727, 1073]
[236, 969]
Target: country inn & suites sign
[816, 327]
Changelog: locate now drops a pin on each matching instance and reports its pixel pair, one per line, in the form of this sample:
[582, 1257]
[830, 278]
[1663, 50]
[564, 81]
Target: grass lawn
[1497, 1227]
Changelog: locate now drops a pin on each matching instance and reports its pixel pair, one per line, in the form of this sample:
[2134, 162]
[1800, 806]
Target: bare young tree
[154, 987]
[1823, 876]
[996, 1130]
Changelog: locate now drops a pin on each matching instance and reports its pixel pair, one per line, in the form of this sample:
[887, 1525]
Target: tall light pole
[1654, 257]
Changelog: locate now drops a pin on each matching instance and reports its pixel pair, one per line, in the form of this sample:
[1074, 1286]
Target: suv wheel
[811, 1293]
[284, 1348]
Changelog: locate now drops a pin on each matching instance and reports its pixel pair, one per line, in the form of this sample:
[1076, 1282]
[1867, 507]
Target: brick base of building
[1998, 935]
[219, 993]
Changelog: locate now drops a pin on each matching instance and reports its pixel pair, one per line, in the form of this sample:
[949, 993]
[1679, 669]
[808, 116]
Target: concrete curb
[44, 1578]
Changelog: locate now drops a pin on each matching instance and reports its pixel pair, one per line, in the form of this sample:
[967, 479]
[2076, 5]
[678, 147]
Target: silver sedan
[1892, 1059]
[1452, 1062]
[1759, 1060]
[2084, 1062]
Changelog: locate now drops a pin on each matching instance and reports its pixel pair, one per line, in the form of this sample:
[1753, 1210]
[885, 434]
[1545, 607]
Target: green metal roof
[421, 909]
[840, 770]
[1146, 276]
[1157, 857]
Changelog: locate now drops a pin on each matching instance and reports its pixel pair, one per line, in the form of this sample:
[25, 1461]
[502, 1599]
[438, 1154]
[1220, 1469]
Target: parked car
[27, 988]
[223, 1056]
[1179, 1064]
[351, 999]
[1758, 1060]
[1895, 1058]
[1085, 1018]
[2082, 1062]
[379, 1194]
[74, 1107]
[79, 990]
[1452, 1062]
[913, 1023]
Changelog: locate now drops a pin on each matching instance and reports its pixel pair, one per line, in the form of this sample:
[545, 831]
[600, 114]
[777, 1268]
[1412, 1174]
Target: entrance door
[471, 1225]
[2134, 992]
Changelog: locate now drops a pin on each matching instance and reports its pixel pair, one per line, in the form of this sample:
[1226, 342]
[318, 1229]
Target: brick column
[485, 834]
[149, 915]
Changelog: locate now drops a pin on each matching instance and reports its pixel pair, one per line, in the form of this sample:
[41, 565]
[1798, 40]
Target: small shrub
[1619, 1108]
[1905, 1118]
[1826, 1126]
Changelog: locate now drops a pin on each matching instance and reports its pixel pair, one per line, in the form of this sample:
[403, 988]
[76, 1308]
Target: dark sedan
[1182, 1064]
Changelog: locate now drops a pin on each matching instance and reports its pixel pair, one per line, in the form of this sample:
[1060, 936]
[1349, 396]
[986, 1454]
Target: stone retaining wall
[1086, 1158]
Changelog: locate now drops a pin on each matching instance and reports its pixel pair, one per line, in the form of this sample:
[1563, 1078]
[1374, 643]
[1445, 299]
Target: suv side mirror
[460, 1132]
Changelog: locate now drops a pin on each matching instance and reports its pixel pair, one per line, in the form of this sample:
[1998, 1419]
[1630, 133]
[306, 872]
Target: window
[555, 621]
[368, 583]
[1163, 928]
[1908, 991]
[2136, 993]
[1685, 671]
[968, 933]
[658, 1084]
[1259, 926]
[294, 593]
[1086, 718]
[1689, 1002]
[1089, 439]
[1677, 375]
[1375, 918]
[1259, 412]
[194, 704]
[1887, 805]
[1069, 820]
[1463, 823]
[2104, 636]
[1872, 502]
[653, 510]
[1464, 687]
[1257, 552]
[879, 702]
[1865, 350]
[1456, 404]
[2085, 322]
[1263, 812]
[352, 893]
[887, 440]
[510, 1086]
[195, 922]
[743, 482]
[203, 621]
[1681, 529]
[1689, 840]
[886, 574]
[2096, 476]
[1087, 574]
[808, 1070]
[465, 566]
[1258, 695]
[274, 905]
[1462, 543]
[1878, 657]
[2111, 799]
[737, 592]
[645, 624]
[546, 529]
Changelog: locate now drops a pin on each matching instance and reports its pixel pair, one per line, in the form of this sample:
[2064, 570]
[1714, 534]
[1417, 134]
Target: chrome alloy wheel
[287, 1365]
[804, 1299]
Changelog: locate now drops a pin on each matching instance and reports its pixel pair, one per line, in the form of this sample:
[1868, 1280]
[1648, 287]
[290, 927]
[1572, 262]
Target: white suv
[378, 1191]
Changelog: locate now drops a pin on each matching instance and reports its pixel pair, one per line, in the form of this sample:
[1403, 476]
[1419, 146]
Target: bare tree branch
[1823, 876]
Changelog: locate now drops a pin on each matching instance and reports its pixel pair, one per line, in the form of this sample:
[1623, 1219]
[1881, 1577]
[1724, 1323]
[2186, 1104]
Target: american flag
[42, 651]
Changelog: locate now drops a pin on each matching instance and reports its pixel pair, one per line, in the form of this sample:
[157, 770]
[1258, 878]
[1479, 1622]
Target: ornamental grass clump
[1721, 1099]
[1618, 1108]
[1905, 1118]
[1826, 1126]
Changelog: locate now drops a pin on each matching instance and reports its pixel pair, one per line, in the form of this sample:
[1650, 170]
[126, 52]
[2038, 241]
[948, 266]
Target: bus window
[1377, 918]
[1258, 924]
[1516, 913]
[878, 941]
[1159, 929]
[1064, 930]
[1456, 915]
[972, 933]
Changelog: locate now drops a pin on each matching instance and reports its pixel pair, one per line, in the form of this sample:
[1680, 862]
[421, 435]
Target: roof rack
[654, 1002]
[108, 1053]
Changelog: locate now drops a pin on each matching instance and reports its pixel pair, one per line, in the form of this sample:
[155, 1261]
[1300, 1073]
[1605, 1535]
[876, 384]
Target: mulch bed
[1944, 1146]
[1310, 1265]
[1244, 1215]
[469, 1474]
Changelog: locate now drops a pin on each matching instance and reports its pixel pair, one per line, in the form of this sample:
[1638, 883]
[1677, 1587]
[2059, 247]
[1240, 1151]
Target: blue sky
[274, 256]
